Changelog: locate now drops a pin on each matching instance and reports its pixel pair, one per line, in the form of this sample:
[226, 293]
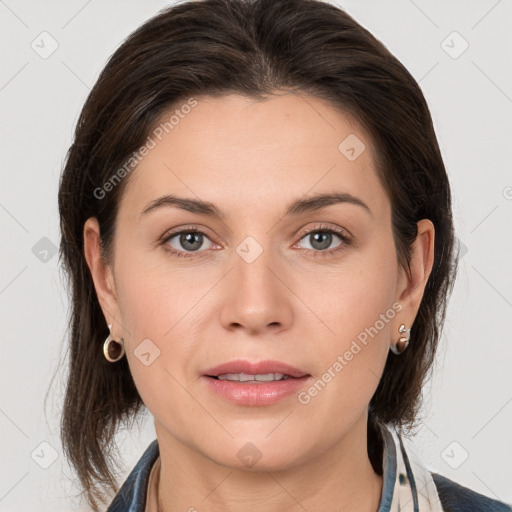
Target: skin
[252, 158]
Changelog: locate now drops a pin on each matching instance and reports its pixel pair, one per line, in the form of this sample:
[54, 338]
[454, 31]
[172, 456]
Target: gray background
[468, 403]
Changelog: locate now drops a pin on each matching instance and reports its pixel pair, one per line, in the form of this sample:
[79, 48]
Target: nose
[258, 298]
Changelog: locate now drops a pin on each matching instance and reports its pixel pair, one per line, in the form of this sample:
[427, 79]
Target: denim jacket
[453, 496]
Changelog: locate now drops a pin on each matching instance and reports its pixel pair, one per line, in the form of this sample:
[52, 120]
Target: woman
[256, 222]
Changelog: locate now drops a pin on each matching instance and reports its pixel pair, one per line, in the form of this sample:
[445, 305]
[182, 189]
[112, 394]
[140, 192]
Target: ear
[411, 284]
[102, 274]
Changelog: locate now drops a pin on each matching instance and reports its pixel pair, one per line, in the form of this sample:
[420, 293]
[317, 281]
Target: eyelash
[345, 238]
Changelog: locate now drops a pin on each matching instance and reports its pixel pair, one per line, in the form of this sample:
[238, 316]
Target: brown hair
[254, 48]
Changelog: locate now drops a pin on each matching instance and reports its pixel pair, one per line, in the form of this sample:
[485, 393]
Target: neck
[342, 476]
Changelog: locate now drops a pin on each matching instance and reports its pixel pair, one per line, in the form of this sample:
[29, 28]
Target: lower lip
[261, 393]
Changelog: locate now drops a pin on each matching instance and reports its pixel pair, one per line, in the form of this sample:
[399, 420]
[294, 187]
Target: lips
[273, 381]
[255, 368]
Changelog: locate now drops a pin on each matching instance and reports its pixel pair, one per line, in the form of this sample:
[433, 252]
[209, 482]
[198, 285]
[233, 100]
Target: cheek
[158, 347]
[152, 296]
[354, 296]
[356, 308]
[160, 315]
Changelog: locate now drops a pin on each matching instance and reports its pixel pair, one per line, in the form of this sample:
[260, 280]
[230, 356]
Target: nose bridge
[258, 297]
[254, 266]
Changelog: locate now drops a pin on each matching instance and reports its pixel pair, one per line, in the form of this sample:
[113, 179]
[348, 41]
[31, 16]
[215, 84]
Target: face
[317, 289]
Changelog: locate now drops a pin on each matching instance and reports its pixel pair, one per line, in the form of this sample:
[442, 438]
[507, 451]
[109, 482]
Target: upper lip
[255, 368]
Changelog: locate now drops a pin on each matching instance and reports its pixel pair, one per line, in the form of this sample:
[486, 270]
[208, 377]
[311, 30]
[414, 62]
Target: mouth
[254, 372]
[250, 378]
[263, 383]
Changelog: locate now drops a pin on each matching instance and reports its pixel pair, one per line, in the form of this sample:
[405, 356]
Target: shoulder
[455, 497]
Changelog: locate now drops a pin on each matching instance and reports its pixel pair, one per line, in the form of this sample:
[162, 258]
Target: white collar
[408, 485]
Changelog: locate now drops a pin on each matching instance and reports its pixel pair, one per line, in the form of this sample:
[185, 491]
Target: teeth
[244, 377]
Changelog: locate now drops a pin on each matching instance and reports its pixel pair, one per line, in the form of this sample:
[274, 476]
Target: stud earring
[113, 350]
[403, 341]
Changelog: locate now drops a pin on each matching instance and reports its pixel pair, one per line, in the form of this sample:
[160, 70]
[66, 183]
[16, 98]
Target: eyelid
[322, 226]
[192, 228]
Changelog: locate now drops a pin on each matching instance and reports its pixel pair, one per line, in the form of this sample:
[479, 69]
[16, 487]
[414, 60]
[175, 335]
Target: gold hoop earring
[113, 350]
[402, 342]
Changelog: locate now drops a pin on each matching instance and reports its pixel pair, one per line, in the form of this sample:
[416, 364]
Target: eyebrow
[297, 207]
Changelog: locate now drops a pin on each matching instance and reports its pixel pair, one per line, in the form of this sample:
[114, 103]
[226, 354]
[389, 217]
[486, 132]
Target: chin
[257, 455]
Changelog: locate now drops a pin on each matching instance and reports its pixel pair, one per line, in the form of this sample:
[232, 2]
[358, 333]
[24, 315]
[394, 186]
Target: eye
[321, 238]
[185, 242]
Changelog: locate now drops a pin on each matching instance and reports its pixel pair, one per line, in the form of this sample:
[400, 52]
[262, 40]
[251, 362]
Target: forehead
[240, 150]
